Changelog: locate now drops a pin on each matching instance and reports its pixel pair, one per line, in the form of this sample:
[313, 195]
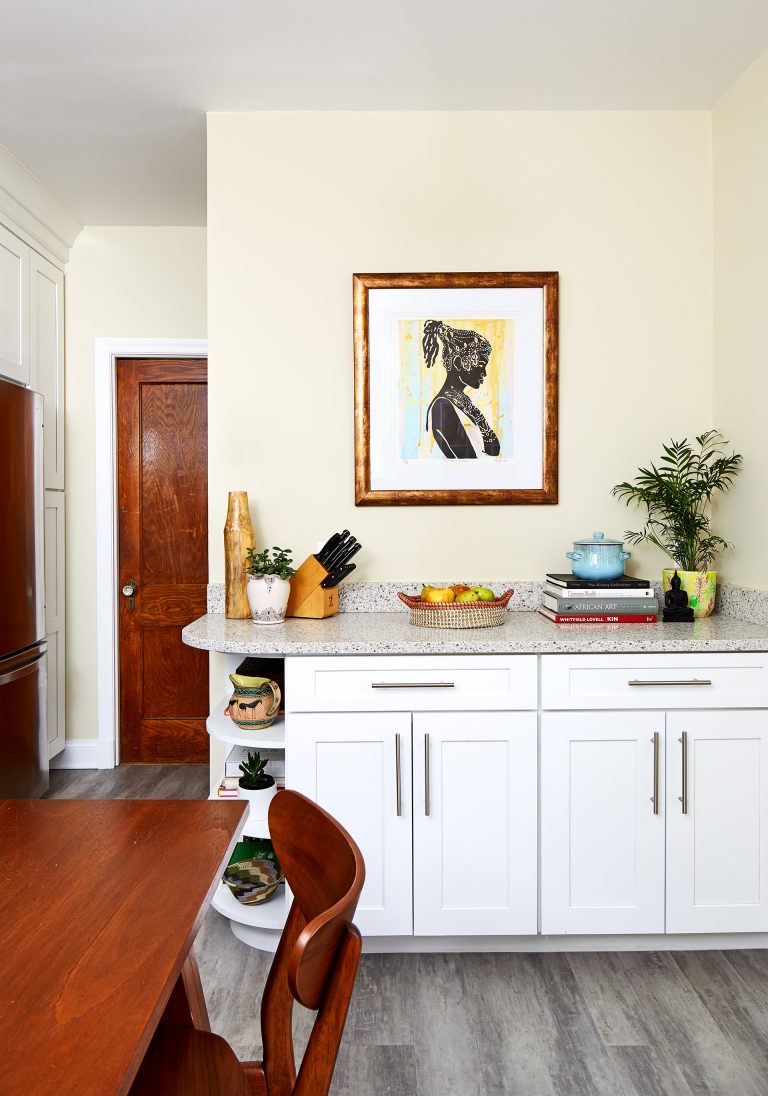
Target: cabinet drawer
[654, 681]
[419, 683]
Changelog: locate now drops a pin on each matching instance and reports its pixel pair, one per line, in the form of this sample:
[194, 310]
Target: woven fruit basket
[465, 614]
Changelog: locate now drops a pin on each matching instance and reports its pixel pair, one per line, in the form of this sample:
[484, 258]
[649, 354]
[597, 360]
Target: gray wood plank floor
[583, 1024]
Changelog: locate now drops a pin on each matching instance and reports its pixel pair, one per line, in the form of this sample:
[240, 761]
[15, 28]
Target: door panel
[717, 851]
[602, 846]
[348, 764]
[14, 314]
[46, 333]
[475, 823]
[162, 488]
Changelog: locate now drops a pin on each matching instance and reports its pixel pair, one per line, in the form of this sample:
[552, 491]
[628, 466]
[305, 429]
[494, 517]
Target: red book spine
[605, 618]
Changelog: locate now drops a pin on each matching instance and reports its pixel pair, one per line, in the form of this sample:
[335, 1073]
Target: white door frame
[107, 353]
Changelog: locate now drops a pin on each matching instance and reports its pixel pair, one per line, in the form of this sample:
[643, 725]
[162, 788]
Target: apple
[484, 594]
[459, 588]
[437, 594]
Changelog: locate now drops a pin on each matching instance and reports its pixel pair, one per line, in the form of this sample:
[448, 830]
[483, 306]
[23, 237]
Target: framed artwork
[455, 389]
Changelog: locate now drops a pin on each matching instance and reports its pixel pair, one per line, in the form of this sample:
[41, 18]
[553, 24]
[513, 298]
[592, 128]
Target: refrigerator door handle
[39, 488]
[22, 671]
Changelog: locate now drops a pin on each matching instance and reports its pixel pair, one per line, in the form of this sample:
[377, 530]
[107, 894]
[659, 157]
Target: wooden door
[475, 833]
[163, 515]
[348, 763]
[717, 841]
[602, 845]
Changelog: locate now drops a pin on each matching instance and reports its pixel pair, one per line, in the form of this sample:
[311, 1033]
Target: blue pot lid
[598, 539]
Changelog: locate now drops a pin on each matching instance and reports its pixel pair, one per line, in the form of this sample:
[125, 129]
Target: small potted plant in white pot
[678, 495]
[269, 583]
[257, 786]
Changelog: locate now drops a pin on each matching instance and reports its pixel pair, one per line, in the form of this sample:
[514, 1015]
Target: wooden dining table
[100, 902]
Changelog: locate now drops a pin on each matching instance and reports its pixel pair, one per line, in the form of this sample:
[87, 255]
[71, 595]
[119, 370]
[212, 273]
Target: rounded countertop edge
[523, 633]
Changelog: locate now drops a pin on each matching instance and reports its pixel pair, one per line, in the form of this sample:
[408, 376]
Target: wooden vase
[238, 537]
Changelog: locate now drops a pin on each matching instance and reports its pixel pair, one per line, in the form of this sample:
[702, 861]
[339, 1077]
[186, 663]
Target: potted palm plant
[269, 583]
[677, 493]
[255, 785]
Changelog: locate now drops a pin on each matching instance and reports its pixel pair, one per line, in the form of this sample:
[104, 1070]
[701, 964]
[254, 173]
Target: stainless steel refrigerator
[23, 734]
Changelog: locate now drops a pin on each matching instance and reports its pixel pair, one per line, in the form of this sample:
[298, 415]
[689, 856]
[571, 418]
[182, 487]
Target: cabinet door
[717, 841]
[602, 845]
[14, 307]
[54, 617]
[475, 823]
[46, 335]
[348, 763]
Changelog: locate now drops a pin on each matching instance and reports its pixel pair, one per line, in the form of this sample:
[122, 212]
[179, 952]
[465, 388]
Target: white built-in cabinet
[14, 307]
[654, 819]
[439, 792]
[32, 354]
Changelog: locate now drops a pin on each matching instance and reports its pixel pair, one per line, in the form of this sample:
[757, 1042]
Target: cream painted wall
[740, 155]
[122, 283]
[619, 203]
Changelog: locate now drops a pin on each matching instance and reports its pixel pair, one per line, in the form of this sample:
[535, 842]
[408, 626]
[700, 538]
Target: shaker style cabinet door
[717, 821]
[475, 823]
[14, 308]
[602, 845]
[358, 767]
[46, 337]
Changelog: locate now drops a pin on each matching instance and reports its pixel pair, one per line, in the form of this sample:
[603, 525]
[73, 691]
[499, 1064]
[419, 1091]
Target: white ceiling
[106, 101]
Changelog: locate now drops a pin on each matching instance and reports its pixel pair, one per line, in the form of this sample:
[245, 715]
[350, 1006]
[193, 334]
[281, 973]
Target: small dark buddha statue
[676, 607]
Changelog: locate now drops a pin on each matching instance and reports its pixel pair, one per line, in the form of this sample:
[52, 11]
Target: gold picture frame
[374, 360]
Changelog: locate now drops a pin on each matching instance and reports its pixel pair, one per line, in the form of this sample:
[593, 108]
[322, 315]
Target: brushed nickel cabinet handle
[690, 681]
[399, 794]
[683, 740]
[656, 740]
[413, 685]
[426, 775]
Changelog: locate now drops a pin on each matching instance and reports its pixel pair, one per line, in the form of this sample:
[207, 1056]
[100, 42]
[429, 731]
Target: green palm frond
[677, 493]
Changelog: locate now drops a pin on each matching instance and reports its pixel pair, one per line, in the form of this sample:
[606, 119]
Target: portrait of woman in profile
[459, 428]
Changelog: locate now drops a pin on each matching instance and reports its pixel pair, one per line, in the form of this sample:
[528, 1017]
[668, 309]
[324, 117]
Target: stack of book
[625, 600]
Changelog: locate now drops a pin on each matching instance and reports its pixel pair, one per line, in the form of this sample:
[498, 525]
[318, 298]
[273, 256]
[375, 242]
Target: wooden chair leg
[316, 1072]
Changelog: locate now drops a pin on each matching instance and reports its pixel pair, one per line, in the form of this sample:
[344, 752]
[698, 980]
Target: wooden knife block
[308, 598]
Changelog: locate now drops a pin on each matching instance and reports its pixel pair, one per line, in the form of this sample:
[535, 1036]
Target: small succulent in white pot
[269, 583]
[255, 785]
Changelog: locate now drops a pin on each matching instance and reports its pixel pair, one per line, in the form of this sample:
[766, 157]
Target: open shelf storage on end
[221, 726]
[259, 926]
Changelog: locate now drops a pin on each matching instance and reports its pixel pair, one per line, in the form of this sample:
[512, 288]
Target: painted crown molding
[32, 212]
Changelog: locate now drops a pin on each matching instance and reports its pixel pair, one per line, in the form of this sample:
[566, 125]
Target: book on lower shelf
[567, 599]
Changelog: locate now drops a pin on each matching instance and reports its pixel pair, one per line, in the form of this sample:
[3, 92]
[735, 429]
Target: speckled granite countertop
[521, 633]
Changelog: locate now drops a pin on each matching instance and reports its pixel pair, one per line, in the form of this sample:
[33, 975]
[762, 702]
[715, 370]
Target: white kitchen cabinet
[475, 844]
[46, 335]
[717, 840]
[602, 822]
[358, 767]
[54, 617]
[14, 308]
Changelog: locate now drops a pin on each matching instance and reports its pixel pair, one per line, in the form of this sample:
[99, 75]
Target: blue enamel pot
[598, 558]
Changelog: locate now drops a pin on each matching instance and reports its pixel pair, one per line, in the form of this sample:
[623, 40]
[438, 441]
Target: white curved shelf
[221, 727]
[258, 827]
[270, 916]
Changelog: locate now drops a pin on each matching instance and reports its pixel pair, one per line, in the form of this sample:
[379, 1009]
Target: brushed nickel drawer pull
[691, 681]
[399, 794]
[412, 685]
[656, 740]
[684, 797]
[426, 775]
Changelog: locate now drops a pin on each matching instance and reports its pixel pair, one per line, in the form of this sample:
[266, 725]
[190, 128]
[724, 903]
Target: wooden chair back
[319, 950]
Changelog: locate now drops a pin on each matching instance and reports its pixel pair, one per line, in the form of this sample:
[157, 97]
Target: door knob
[129, 591]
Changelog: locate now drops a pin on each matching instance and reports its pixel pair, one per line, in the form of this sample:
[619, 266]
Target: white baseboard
[656, 942]
[85, 753]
